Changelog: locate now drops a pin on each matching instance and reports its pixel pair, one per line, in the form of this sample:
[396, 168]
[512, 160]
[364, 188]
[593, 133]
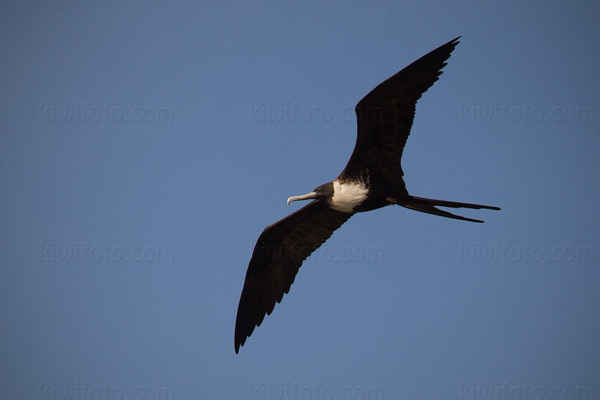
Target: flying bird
[373, 178]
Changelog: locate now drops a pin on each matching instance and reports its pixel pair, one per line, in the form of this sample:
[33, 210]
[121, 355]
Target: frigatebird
[373, 178]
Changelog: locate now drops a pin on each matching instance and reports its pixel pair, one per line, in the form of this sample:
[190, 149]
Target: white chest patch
[348, 195]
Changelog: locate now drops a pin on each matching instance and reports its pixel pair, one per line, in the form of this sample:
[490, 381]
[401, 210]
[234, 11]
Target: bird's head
[322, 192]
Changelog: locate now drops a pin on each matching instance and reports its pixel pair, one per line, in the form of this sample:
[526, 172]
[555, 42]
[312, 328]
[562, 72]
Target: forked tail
[429, 206]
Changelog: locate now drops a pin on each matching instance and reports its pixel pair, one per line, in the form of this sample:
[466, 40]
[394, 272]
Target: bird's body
[348, 196]
[373, 178]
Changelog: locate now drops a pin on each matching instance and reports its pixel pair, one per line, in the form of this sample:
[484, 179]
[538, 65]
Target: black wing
[277, 256]
[385, 117]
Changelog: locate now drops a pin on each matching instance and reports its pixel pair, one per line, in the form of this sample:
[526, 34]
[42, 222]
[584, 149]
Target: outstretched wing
[385, 117]
[277, 256]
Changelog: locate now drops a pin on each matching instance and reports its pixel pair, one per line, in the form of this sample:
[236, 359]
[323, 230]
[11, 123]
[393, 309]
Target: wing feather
[385, 117]
[277, 256]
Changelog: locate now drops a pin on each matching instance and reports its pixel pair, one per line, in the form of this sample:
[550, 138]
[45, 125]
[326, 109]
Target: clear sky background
[145, 145]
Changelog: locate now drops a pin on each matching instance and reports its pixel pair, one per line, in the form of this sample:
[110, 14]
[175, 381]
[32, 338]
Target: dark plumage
[373, 178]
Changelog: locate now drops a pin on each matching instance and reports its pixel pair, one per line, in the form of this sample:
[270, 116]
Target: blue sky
[145, 146]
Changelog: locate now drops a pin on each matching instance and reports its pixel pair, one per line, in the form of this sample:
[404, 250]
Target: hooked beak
[311, 195]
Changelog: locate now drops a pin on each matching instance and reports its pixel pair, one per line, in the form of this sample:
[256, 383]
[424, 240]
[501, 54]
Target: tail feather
[429, 206]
